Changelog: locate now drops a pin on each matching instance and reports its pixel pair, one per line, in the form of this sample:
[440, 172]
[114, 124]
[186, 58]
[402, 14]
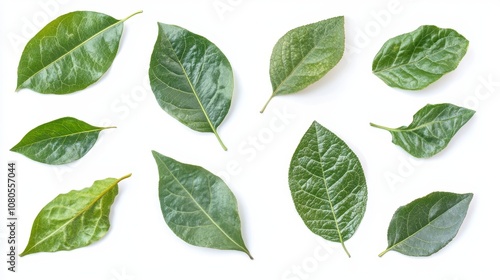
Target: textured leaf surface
[191, 78]
[426, 225]
[431, 130]
[328, 185]
[415, 60]
[70, 53]
[75, 219]
[198, 206]
[305, 54]
[58, 142]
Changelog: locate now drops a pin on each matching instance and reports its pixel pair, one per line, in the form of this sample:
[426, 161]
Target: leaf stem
[220, 140]
[265, 105]
[345, 249]
[381, 127]
[124, 177]
[385, 251]
[138, 12]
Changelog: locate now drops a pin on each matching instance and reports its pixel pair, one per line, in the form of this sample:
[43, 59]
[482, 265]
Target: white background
[139, 244]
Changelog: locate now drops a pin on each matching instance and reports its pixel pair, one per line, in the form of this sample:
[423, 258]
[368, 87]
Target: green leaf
[432, 128]
[191, 79]
[415, 60]
[70, 53]
[426, 225]
[75, 219]
[305, 54]
[328, 185]
[59, 142]
[198, 206]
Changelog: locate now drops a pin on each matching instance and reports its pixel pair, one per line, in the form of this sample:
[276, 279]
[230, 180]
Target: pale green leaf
[75, 219]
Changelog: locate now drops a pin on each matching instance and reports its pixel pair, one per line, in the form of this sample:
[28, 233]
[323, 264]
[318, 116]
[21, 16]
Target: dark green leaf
[191, 79]
[426, 225]
[58, 142]
[432, 128]
[328, 185]
[70, 53]
[305, 54]
[415, 60]
[198, 206]
[75, 219]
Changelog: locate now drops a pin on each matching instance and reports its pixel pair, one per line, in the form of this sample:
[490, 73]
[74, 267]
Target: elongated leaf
[191, 79]
[328, 185]
[58, 142]
[70, 53]
[431, 130]
[426, 225]
[305, 54]
[198, 206]
[415, 60]
[75, 219]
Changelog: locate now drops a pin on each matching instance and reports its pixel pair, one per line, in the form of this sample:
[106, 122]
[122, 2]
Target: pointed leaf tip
[198, 206]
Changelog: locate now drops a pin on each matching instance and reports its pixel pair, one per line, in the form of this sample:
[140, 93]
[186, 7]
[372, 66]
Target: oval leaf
[58, 142]
[198, 206]
[75, 219]
[70, 53]
[415, 60]
[426, 225]
[328, 185]
[191, 79]
[432, 128]
[305, 54]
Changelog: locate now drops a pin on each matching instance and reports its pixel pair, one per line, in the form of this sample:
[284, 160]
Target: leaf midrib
[72, 50]
[61, 136]
[203, 210]
[341, 239]
[99, 197]
[299, 65]
[194, 91]
[427, 55]
[427, 225]
[419, 126]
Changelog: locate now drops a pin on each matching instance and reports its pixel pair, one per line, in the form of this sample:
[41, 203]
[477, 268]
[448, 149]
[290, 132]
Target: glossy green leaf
[70, 53]
[415, 60]
[58, 142]
[305, 54]
[431, 130]
[75, 219]
[328, 185]
[426, 225]
[198, 206]
[191, 79]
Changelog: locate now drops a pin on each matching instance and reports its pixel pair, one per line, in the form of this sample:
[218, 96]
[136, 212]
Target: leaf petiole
[265, 105]
[381, 127]
[220, 140]
[138, 12]
[345, 249]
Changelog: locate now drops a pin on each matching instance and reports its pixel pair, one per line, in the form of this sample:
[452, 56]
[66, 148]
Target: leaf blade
[433, 221]
[70, 53]
[59, 141]
[304, 55]
[198, 206]
[78, 218]
[414, 60]
[328, 185]
[431, 130]
[191, 78]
